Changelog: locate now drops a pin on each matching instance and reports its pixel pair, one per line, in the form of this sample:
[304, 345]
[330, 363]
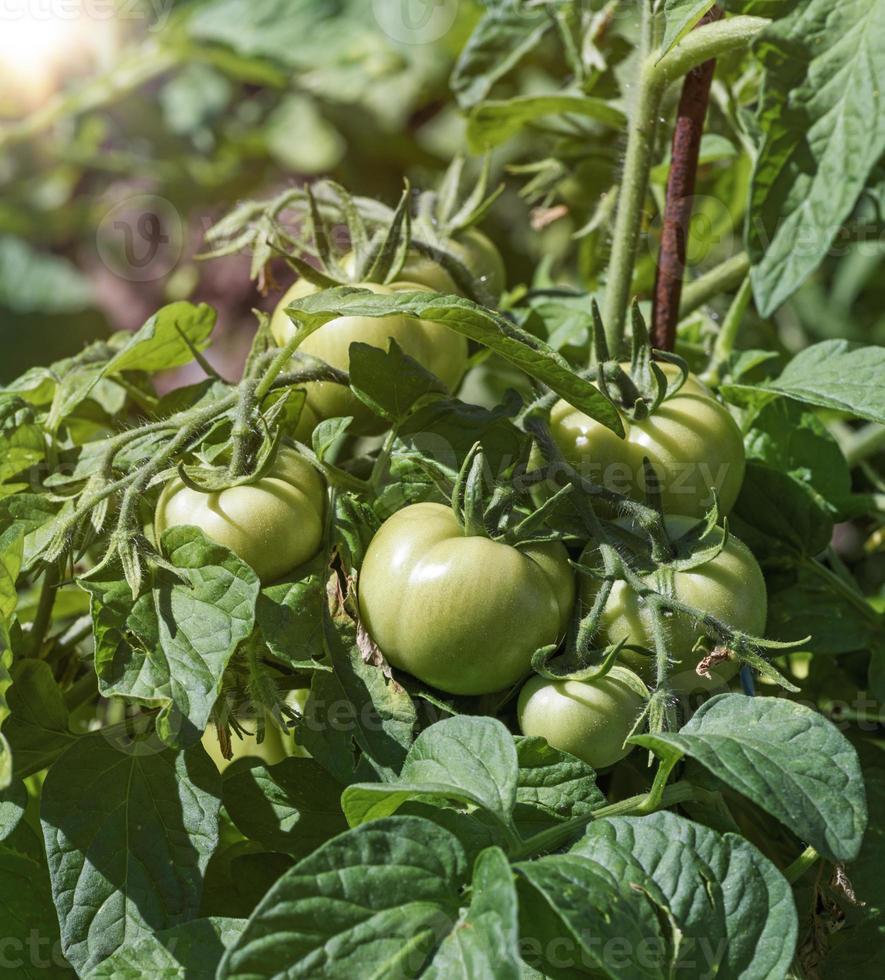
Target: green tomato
[691, 440]
[464, 614]
[730, 587]
[273, 524]
[434, 345]
[474, 250]
[589, 719]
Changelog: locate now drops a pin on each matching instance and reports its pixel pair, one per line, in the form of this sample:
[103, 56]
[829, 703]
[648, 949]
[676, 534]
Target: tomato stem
[722, 278]
[731, 325]
[807, 859]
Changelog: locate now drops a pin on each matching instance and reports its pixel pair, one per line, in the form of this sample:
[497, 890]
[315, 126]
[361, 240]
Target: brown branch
[680, 192]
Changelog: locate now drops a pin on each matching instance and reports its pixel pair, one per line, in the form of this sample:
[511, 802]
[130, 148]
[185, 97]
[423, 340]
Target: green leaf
[484, 943]
[30, 926]
[836, 374]
[290, 614]
[370, 903]
[390, 382]
[680, 16]
[466, 759]
[190, 950]
[159, 344]
[776, 513]
[809, 606]
[291, 807]
[171, 646]
[474, 321]
[552, 786]
[795, 441]
[494, 122]
[128, 836]
[732, 911]
[13, 801]
[37, 727]
[824, 132]
[19, 449]
[578, 918]
[378, 712]
[772, 751]
[502, 38]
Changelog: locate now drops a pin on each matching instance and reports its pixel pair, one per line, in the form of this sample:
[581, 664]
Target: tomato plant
[463, 554]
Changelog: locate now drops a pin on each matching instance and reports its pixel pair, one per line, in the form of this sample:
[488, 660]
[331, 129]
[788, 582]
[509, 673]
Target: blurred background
[128, 127]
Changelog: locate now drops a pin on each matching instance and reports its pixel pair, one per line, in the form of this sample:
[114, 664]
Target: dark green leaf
[771, 751]
[128, 835]
[293, 806]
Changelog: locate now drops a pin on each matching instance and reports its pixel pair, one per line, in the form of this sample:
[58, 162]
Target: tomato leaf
[733, 911]
[824, 132]
[13, 801]
[161, 344]
[191, 949]
[128, 836]
[371, 902]
[474, 321]
[503, 37]
[289, 613]
[171, 646]
[291, 807]
[27, 914]
[484, 943]
[464, 759]
[558, 896]
[836, 374]
[37, 726]
[390, 382]
[770, 750]
[494, 122]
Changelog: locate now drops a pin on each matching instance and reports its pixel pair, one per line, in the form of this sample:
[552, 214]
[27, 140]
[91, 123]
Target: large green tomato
[729, 587]
[464, 614]
[274, 524]
[474, 250]
[691, 440]
[434, 345]
[589, 719]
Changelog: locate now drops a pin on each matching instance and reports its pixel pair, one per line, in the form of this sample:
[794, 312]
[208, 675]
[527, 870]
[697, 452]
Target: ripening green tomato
[589, 719]
[730, 587]
[273, 524]
[691, 440]
[474, 250]
[464, 614]
[434, 345]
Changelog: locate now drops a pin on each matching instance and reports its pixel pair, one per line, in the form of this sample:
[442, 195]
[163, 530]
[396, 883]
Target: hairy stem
[631, 196]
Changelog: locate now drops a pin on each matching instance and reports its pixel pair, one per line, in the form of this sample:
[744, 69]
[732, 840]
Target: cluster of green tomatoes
[465, 613]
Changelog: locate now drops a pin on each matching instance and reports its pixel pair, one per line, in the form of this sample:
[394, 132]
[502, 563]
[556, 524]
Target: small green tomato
[691, 440]
[273, 524]
[434, 345]
[730, 587]
[589, 719]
